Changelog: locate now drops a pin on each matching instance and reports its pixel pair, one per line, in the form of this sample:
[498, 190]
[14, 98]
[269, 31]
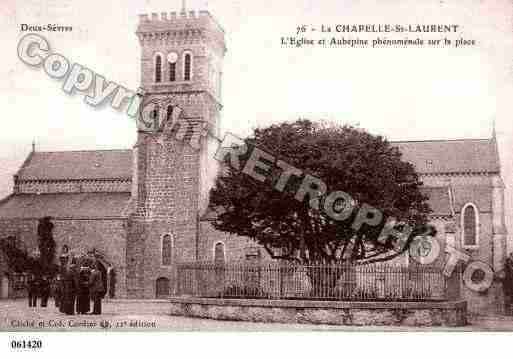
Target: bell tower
[174, 165]
[182, 54]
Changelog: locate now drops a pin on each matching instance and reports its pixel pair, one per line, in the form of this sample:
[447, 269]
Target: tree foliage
[367, 167]
[46, 243]
[18, 258]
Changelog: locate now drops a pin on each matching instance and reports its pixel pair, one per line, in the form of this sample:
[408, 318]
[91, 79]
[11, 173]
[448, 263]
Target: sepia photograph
[237, 166]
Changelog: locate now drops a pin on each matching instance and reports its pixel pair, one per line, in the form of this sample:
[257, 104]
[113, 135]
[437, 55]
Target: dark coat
[35, 286]
[69, 282]
[507, 284]
[83, 303]
[44, 289]
[69, 291]
[31, 285]
[96, 283]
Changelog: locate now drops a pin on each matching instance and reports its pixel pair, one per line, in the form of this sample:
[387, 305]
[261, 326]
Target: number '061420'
[26, 344]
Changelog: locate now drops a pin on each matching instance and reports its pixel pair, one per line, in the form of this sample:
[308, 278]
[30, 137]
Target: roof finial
[494, 134]
[33, 145]
[184, 8]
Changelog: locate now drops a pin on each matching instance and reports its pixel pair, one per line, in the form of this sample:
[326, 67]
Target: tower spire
[184, 8]
[494, 133]
[33, 145]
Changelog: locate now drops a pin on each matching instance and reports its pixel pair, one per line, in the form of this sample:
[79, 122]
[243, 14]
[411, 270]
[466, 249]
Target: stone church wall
[24, 230]
[108, 236]
[144, 253]
[166, 203]
[235, 247]
[476, 189]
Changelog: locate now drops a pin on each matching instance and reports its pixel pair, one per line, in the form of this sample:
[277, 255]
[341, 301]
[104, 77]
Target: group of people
[74, 288]
[38, 287]
[507, 285]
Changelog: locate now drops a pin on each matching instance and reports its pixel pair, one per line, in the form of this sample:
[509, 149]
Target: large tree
[42, 262]
[18, 259]
[46, 244]
[366, 167]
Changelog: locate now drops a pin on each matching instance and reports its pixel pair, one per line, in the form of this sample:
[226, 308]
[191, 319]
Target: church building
[144, 209]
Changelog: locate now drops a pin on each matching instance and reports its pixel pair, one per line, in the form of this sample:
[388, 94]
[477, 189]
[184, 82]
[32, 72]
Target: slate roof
[428, 157]
[72, 165]
[64, 205]
[451, 156]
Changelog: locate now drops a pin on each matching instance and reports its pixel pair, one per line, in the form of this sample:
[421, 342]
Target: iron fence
[318, 282]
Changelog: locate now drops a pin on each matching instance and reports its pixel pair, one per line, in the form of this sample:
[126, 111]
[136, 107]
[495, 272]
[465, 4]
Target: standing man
[507, 285]
[63, 259]
[69, 289]
[38, 280]
[96, 289]
[31, 289]
[57, 290]
[44, 291]
[83, 301]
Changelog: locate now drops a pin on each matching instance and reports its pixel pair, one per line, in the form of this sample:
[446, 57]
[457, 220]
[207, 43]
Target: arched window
[172, 71]
[470, 225]
[187, 67]
[155, 113]
[162, 287]
[167, 249]
[158, 68]
[219, 252]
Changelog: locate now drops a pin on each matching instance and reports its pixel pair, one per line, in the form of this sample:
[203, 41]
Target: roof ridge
[7, 198]
[81, 151]
[442, 140]
[470, 155]
[25, 163]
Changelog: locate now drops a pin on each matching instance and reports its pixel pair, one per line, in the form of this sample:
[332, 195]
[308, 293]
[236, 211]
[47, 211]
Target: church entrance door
[162, 287]
[107, 270]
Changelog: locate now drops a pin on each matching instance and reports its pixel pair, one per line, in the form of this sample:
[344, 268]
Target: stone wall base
[418, 314]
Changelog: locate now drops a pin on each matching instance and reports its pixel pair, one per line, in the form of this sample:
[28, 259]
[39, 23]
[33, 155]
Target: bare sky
[402, 93]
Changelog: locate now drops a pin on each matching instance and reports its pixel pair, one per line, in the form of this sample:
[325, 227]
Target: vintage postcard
[241, 165]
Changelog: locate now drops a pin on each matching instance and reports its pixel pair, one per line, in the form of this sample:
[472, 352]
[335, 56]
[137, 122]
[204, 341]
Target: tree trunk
[323, 280]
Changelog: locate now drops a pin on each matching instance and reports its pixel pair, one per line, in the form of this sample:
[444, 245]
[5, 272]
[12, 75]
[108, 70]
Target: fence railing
[321, 282]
